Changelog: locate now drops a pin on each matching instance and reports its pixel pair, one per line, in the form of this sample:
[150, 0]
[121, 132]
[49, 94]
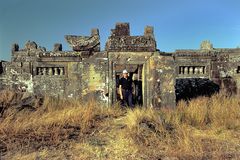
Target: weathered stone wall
[225, 70]
[86, 72]
[120, 40]
[192, 64]
[17, 76]
[159, 81]
[95, 77]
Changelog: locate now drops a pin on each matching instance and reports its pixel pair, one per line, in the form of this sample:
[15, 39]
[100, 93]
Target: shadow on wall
[187, 89]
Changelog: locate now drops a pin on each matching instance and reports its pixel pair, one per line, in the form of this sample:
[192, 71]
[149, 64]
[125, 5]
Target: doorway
[135, 73]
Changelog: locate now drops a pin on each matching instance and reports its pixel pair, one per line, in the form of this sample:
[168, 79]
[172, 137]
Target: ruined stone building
[87, 71]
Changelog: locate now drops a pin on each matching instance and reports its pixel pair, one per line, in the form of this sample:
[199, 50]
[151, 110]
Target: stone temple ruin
[87, 71]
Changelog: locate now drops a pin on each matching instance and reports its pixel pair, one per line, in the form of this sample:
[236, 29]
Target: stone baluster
[39, 71]
[182, 70]
[201, 70]
[55, 71]
[61, 71]
[190, 70]
[185, 70]
[196, 70]
[50, 71]
[44, 71]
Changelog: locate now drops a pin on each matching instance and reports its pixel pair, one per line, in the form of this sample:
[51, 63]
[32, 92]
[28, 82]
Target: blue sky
[178, 24]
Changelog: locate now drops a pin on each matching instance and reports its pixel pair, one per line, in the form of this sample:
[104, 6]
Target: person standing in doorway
[125, 89]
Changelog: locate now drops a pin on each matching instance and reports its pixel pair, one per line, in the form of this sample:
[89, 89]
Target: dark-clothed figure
[125, 89]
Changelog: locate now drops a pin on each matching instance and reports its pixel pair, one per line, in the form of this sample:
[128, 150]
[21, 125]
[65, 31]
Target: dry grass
[68, 129]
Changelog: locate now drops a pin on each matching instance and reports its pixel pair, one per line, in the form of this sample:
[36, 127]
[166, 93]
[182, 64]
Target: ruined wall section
[56, 74]
[193, 63]
[226, 69]
[81, 73]
[95, 78]
[66, 74]
[159, 81]
[69, 75]
[120, 40]
[234, 70]
[17, 74]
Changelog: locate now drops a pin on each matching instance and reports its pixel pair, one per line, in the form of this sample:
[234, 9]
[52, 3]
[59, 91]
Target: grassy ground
[204, 128]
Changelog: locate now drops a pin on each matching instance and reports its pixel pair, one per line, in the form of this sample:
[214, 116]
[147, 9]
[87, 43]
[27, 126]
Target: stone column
[196, 70]
[181, 70]
[201, 70]
[190, 70]
[50, 71]
[61, 71]
[185, 70]
[55, 71]
[44, 71]
[39, 71]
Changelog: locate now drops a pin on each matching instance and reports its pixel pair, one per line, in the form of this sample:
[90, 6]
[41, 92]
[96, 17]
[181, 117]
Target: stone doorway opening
[135, 73]
[189, 88]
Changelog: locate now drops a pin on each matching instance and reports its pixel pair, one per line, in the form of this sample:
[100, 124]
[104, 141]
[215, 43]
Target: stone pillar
[61, 71]
[196, 70]
[190, 70]
[50, 71]
[181, 70]
[185, 70]
[200, 70]
[39, 71]
[55, 71]
[44, 71]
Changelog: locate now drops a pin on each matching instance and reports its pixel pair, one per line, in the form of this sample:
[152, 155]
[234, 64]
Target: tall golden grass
[201, 128]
